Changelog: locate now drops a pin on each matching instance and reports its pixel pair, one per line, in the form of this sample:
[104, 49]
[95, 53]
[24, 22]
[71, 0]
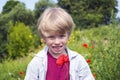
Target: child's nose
[57, 41]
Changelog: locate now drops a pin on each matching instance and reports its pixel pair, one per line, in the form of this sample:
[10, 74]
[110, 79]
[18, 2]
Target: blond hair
[56, 21]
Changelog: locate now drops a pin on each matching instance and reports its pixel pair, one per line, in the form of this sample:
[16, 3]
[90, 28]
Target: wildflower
[85, 45]
[21, 73]
[88, 61]
[62, 59]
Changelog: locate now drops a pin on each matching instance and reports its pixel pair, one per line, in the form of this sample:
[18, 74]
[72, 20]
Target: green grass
[105, 56]
[10, 70]
[103, 51]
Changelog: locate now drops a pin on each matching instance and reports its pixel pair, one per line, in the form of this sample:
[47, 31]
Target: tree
[41, 5]
[20, 40]
[9, 6]
[18, 13]
[90, 12]
[3, 34]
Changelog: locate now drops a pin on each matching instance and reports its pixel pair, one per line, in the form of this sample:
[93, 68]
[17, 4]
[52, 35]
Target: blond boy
[56, 61]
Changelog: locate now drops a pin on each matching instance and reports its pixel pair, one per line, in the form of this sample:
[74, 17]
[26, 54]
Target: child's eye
[51, 37]
[62, 36]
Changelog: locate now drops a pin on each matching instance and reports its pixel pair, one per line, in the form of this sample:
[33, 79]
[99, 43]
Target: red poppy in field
[88, 61]
[85, 45]
[62, 59]
[21, 73]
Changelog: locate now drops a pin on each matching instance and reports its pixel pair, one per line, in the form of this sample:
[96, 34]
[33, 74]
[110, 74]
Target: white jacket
[79, 69]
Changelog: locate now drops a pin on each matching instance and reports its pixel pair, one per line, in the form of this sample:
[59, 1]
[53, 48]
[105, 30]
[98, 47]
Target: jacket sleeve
[84, 70]
[32, 71]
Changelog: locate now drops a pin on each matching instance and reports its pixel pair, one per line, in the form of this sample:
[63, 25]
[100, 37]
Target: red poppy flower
[62, 59]
[85, 45]
[21, 73]
[88, 61]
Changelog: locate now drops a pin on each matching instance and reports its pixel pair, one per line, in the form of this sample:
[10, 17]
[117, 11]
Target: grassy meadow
[100, 47]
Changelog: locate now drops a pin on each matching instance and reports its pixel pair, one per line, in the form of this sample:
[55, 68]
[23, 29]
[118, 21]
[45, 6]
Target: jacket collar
[43, 53]
[71, 53]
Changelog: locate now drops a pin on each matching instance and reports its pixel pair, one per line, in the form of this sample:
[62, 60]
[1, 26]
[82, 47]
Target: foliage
[40, 6]
[9, 6]
[90, 13]
[14, 70]
[100, 47]
[18, 13]
[3, 35]
[109, 56]
[20, 40]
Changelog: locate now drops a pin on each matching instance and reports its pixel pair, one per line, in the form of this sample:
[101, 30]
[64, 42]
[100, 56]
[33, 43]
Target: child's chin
[57, 52]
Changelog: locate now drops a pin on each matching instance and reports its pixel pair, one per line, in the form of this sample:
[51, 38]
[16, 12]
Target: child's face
[56, 43]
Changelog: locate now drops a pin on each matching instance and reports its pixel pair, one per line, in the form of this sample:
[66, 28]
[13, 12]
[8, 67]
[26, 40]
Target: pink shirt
[56, 72]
